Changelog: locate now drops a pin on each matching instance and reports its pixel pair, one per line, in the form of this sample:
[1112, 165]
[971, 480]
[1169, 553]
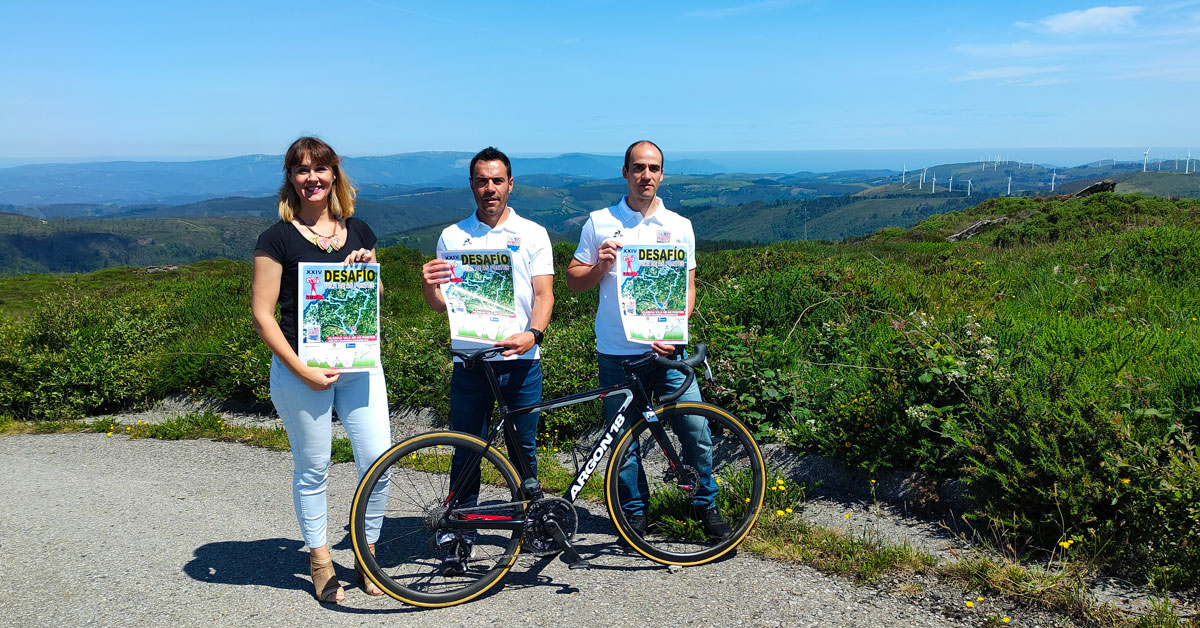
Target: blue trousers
[471, 404]
[693, 432]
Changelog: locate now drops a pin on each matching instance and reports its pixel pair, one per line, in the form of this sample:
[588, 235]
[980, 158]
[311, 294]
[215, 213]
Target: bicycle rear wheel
[674, 533]
[413, 553]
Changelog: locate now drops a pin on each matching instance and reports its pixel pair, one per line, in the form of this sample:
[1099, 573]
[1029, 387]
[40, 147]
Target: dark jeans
[471, 404]
[693, 432]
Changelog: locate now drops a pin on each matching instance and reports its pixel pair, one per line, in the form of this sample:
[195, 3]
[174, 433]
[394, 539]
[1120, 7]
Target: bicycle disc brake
[689, 484]
[541, 512]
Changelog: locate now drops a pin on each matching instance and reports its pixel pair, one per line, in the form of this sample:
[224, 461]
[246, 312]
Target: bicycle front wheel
[662, 512]
[419, 558]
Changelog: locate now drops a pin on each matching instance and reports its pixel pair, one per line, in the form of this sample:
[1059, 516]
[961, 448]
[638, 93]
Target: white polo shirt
[627, 226]
[532, 257]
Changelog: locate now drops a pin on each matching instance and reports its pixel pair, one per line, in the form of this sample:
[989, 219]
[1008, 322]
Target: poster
[339, 316]
[480, 298]
[652, 290]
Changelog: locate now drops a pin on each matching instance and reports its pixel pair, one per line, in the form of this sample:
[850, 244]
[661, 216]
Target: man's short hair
[491, 153]
[629, 151]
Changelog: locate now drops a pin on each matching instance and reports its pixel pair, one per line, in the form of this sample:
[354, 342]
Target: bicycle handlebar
[688, 367]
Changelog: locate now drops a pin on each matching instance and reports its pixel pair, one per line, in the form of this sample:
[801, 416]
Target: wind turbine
[1009, 186]
[1145, 156]
[968, 187]
[1053, 176]
[903, 173]
[951, 188]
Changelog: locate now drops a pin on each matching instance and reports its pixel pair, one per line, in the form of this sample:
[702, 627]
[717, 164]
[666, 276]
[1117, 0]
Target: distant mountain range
[178, 183]
[407, 199]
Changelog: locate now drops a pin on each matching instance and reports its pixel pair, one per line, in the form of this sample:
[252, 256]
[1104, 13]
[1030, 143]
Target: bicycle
[440, 545]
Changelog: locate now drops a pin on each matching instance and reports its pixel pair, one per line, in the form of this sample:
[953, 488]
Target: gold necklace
[328, 243]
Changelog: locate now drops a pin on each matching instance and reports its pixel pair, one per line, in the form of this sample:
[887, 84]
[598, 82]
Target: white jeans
[361, 403]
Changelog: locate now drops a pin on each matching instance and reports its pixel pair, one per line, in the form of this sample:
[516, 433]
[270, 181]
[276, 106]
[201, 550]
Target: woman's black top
[284, 244]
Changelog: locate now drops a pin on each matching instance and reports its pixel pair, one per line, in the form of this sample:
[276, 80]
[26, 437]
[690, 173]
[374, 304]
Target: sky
[157, 80]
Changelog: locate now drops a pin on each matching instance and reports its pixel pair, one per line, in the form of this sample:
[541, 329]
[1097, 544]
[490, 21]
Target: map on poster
[653, 291]
[339, 316]
[480, 298]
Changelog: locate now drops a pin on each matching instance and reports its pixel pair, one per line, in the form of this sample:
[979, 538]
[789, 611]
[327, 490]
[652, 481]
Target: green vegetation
[826, 218]
[1052, 362]
[32, 245]
[1161, 183]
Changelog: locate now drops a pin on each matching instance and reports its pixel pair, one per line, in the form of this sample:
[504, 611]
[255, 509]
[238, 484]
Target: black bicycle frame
[630, 387]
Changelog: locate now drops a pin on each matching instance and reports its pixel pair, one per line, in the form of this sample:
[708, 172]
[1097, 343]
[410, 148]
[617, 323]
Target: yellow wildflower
[970, 604]
[778, 513]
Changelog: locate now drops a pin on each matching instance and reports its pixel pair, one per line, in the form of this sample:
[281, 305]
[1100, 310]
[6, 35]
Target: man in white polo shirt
[641, 218]
[494, 225]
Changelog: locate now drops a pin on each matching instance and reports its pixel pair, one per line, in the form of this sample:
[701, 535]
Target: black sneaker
[456, 565]
[637, 523]
[540, 546]
[714, 524]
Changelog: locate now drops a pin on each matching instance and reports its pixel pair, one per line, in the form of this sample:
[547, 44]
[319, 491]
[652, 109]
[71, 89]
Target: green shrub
[1155, 485]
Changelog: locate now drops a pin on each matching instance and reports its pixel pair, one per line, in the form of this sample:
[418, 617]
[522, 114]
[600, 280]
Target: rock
[976, 228]
[1104, 185]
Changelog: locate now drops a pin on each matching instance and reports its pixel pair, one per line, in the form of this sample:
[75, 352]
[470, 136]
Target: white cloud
[1095, 19]
[1166, 71]
[1010, 72]
[1040, 82]
[1022, 49]
[753, 7]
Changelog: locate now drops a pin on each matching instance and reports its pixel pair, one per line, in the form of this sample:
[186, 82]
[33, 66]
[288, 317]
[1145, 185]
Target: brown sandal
[325, 584]
[368, 587]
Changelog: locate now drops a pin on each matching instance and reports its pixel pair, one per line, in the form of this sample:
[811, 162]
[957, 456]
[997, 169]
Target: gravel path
[108, 531]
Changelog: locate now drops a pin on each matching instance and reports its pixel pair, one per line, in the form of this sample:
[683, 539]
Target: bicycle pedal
[582, 563]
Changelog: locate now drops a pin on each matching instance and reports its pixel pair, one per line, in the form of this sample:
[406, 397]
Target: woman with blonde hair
[316, 224]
